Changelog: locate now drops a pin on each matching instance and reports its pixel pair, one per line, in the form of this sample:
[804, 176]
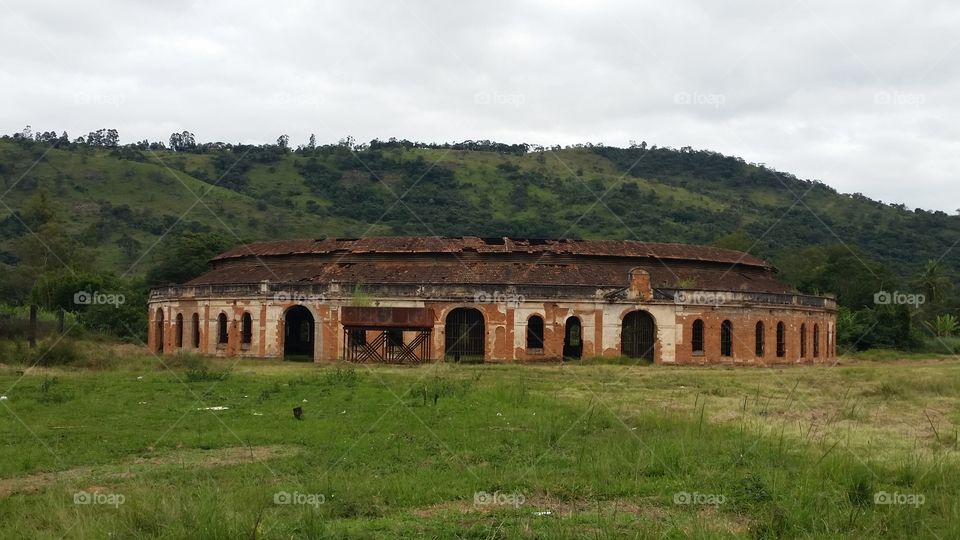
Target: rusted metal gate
[637, 337]
[465, 334]
[388, 325]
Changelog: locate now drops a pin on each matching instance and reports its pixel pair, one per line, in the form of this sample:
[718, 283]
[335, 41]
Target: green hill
[113, 205]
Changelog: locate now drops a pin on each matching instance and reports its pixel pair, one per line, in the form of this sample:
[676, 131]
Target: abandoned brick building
[415, 299]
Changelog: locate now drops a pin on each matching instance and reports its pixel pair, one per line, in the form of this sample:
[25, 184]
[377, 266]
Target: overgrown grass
[572, 450]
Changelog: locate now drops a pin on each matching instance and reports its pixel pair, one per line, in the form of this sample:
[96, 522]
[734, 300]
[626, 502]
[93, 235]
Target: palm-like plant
[944, 325]
[934, 282]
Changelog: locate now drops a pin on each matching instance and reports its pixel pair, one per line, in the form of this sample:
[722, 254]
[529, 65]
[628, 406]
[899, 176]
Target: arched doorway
[572, 339]
[159, 329]
[464, 335]
[638, 335]
[298, 340]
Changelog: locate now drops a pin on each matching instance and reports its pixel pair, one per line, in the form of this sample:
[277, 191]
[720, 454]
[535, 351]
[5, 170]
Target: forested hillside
[157, 210]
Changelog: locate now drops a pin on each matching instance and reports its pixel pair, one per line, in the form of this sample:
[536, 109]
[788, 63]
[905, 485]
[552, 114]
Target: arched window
[816, 340]
[246, 333]
[781, 340]
[803, 341]
[726, 338]
[196, 331]
[222, 329]
[535, 332]
[697, 342]
[158, 335]
[179, 330]
[758, 346]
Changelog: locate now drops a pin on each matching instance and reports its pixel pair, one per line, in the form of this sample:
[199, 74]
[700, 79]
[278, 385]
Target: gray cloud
[858, 95]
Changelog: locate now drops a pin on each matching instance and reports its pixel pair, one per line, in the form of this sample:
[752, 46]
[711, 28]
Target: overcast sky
[861, 95]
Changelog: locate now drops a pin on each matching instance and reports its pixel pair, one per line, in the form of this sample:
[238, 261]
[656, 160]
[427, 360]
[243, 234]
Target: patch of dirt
[130, 468]
[649, 508]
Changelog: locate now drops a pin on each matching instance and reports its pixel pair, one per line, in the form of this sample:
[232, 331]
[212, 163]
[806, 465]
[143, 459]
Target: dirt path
[192, 458]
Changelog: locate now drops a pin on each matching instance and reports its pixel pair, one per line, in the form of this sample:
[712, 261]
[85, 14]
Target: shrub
[59, 353]
[197, 368]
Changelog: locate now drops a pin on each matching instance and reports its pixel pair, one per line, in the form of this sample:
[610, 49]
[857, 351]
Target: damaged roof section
[496, 245]
[450, 271]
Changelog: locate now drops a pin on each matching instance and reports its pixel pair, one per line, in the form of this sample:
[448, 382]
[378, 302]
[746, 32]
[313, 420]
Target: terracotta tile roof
[467, 244]
[474, 261]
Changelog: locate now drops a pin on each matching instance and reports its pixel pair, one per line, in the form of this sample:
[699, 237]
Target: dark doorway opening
[638, 335]
[572, 339]
[159, 330]
[464, 335]
[196, 331]
[298, 334]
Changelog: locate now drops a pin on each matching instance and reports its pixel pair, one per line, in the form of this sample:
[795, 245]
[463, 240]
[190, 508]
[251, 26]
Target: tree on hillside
[184, 257]
[180, 142]
[842, 270]
[39, 210]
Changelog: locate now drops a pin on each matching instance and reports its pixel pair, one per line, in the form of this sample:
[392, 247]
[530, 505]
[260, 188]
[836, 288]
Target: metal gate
[465, 333]
[638, 335]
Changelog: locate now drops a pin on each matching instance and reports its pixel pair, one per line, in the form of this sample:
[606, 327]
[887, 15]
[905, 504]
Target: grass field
[132, 449]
